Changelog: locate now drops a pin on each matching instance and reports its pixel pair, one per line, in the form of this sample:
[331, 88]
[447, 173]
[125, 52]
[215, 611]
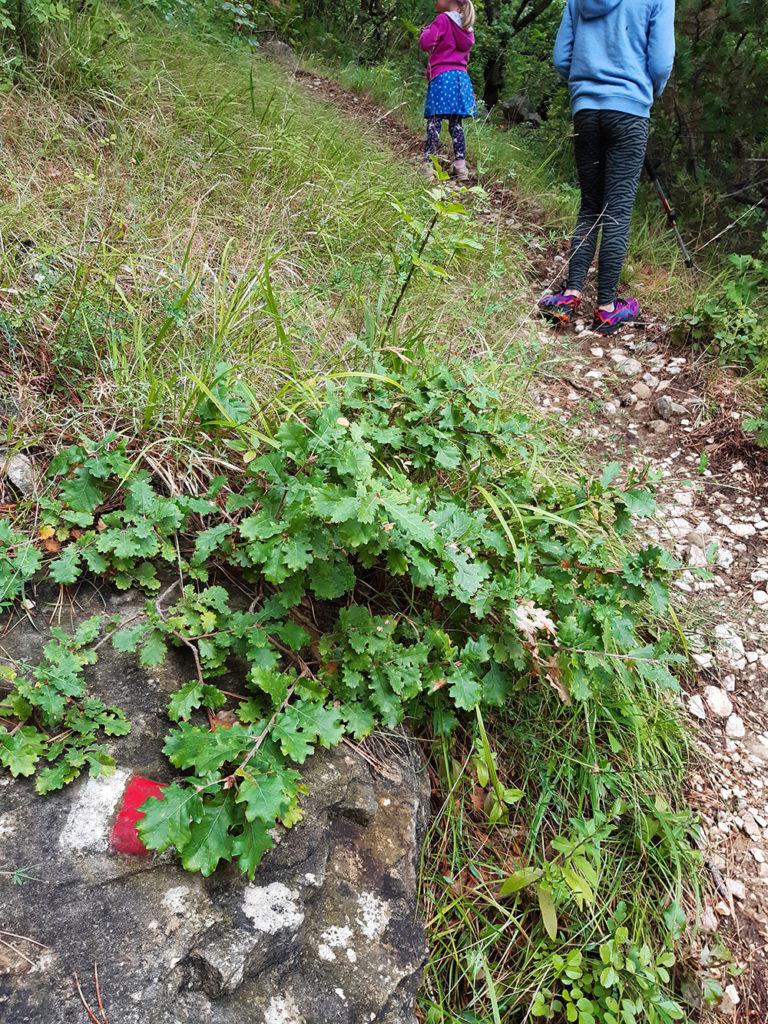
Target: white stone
[742, 529]
[729, 682]
[718, 701]
[760, 597]
[708, 920]
[724, 558]
[629, 367]
[19, 471]
[175, 900]
[678, 527]
[597, 352]
[736, 888]
[732, 646]
[758, 854]
[696, 707]
[704, 659]
[730, 1000]
[759, 576]
[283, 1010]
[734, 727]
[697, 557]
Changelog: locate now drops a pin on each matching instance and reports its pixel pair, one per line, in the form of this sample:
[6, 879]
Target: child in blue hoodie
[616, 56]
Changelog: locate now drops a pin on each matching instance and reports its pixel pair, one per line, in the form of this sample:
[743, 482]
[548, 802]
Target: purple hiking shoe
[624, 310]
[559, 308]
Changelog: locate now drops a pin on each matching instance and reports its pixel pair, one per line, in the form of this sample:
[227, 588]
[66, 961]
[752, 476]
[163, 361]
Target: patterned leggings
[434, 125]
[610, 147]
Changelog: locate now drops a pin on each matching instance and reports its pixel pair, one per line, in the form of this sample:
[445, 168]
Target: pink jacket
[450, 45]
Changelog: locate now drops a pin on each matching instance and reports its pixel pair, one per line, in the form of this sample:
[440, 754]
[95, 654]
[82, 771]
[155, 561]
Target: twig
[89, 1011]
[26, 938]
[717, 878]
[123, 624]
[268, 726]
[17, 951]
[98, 993]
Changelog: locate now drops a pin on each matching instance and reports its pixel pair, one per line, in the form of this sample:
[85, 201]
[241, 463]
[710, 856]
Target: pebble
[758, 854]
[642, 390]
[650, 380]
[708, 920]
[759, 576]
[724, 558]
[760, 597]
[742, 529]
[697, 557]
[730, 1000]
[629, 367]
[658, 426]
[696, 707]
[736, 888]
[19, 471]
[718, 701]
[734, 727]
[597, 352]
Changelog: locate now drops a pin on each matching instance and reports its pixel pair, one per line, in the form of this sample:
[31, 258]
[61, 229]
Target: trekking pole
[671, 219]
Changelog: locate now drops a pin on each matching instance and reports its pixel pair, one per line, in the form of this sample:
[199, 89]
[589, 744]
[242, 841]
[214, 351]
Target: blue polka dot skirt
[450, 93]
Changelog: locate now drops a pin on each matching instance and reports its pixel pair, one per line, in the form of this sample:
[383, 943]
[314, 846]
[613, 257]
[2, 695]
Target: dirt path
[637, 398]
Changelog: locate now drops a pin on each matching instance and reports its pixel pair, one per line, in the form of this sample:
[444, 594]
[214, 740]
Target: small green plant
[759, 425]
[57, 722]
[732, 318]
[613, 982]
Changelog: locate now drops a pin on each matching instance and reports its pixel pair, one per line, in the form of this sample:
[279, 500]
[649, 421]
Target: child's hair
[467, 14]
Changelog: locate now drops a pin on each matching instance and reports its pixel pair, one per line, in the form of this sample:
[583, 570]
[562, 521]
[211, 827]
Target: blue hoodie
[616, 54]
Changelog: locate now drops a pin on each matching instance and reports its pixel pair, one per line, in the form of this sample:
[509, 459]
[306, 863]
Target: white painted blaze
[88, 824]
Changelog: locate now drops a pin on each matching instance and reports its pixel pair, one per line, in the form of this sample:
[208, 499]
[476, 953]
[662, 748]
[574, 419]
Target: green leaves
[21, 751]
[268, 795]
[403, 561]
[209, 841]
[167, 820]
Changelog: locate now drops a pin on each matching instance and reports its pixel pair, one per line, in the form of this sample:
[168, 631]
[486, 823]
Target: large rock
[328, 933]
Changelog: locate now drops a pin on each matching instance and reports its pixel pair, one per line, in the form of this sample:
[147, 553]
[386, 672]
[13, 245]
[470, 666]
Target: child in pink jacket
[449, 94]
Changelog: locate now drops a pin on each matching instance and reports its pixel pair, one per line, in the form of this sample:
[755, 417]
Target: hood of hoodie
[462, 39]
[591, 9]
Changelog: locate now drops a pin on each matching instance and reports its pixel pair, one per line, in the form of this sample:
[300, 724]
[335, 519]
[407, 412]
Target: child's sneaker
[624, 310]
[459, 170]
[559, 308]
[428, 169]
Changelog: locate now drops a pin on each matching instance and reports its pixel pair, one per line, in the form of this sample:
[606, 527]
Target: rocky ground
[649, 403]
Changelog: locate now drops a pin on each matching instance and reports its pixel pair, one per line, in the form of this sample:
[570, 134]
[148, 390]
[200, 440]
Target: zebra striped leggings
[609, 147]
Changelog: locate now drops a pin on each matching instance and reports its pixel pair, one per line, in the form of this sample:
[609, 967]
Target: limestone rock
[696, 707]
[718, 701]
[19, 470]
[734, 727]
[730, 1000]
[327, 932]
[280, 52]
[629, 367]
